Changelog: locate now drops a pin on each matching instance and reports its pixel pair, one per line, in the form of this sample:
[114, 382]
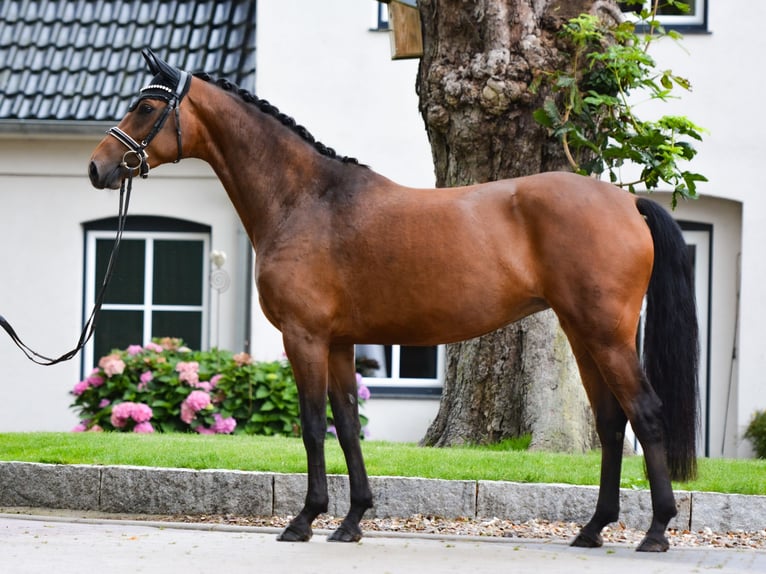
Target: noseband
[172, 97]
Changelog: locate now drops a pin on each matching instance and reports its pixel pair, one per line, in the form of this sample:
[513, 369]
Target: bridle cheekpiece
[170, 85]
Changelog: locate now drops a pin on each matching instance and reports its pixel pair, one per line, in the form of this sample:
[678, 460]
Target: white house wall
[727, 92]
[45, 196]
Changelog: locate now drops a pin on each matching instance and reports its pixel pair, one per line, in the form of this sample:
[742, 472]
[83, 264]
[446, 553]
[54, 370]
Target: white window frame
[379, 18]
[696, 20]
[395, 381]
[147, 307]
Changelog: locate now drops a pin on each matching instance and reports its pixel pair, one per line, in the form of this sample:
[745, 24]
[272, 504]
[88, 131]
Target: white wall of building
[725, 98]
[45, 196]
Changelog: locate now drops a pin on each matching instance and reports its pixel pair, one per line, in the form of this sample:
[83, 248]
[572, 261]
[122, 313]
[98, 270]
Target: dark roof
[80, 61]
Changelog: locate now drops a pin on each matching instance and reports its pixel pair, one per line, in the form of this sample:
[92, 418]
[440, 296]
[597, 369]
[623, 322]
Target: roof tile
[81, 60]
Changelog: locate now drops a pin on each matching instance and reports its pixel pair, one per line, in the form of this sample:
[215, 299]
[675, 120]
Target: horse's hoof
[653, 545]
[586, 541]
[295, 534]
[345, 533]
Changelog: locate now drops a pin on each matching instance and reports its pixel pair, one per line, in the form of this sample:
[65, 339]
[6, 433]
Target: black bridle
[172, 98]
[158, 89]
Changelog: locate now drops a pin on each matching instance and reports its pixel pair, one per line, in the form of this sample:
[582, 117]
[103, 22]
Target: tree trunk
[479, 59]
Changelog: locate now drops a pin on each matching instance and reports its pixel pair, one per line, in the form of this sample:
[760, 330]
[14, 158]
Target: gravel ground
[495, 527]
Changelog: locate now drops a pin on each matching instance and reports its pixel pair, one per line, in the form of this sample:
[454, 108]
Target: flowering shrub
[166, 386]
[756, 433]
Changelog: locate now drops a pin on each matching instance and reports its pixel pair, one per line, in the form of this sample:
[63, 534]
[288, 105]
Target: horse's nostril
[93, 173]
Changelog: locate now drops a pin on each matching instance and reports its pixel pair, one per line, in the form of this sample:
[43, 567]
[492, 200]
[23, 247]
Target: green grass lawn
[277, 454]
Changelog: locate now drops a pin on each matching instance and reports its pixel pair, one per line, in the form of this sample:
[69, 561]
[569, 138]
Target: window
[159, 287]
[695, 18]
[699, 242]
[380, 18]
[402, 370]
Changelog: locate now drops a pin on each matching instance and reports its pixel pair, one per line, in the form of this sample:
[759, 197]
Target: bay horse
[345, 256]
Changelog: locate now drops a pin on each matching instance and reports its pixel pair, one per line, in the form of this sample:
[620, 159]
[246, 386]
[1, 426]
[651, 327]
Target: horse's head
[147, 135]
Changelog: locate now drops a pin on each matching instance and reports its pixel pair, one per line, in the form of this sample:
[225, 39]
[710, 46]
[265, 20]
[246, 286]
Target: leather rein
[173, 98]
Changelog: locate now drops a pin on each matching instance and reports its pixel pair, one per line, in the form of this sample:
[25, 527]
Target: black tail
[671, 341]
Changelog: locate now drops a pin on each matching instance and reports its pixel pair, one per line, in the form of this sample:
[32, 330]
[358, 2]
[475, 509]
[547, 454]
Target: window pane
[127, 284]
[178, 269]
[665, 10]
[417, 362]
[186, 325]
[117, 330]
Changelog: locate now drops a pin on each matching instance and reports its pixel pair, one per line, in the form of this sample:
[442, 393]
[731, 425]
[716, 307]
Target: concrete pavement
[63, 545]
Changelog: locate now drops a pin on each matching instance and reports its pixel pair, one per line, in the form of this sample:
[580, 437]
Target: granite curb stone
[146, 490]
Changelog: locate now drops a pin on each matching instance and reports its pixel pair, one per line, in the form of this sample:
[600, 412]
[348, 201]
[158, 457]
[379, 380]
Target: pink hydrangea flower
[154, 347]
[242, 359]
[81, 427]
[187, 366]
[144, 428]
[96, 428]
[145, 378]
[94, 379]
[195, 402]
[214, 380]
[203, 385]
[362, 391]
[112, 365]
[80, 388]
[191, 378]
[120, 414]
[223, 425]
[141, 413]
[188, 372]
[202, 429]
[134, 350]
[104, 403]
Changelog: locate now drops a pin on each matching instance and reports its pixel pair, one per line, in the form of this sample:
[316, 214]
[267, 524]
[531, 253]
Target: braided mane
[272, 111]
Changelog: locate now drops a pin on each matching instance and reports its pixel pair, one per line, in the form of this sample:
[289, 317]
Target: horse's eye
[145, 109]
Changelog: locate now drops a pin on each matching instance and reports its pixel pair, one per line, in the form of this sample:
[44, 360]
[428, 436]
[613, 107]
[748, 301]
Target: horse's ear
[151, 60]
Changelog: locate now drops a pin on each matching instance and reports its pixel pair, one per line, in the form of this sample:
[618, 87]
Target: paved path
[38, 545]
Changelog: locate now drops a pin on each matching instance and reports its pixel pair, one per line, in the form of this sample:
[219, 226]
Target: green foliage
[165, 386]
[592, 113]
[756, 433]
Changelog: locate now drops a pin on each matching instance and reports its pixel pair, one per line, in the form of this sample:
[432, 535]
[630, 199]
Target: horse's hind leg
[627, 382]
[345, 410]
[610, 426]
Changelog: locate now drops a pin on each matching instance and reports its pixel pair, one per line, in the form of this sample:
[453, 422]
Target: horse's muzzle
[100, 180]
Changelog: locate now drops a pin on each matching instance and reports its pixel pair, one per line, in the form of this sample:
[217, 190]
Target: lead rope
[90, 324]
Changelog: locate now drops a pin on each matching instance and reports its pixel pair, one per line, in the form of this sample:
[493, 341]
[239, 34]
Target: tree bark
[479, 60]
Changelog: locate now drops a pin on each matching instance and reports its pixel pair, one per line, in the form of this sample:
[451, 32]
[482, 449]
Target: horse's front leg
[345, 410]
[309, 363]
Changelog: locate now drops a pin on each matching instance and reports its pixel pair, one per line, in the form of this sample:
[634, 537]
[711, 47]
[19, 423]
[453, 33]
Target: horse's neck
[265, 168]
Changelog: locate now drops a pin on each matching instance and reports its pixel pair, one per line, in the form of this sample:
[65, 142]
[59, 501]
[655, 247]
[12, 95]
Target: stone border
[146, 490]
